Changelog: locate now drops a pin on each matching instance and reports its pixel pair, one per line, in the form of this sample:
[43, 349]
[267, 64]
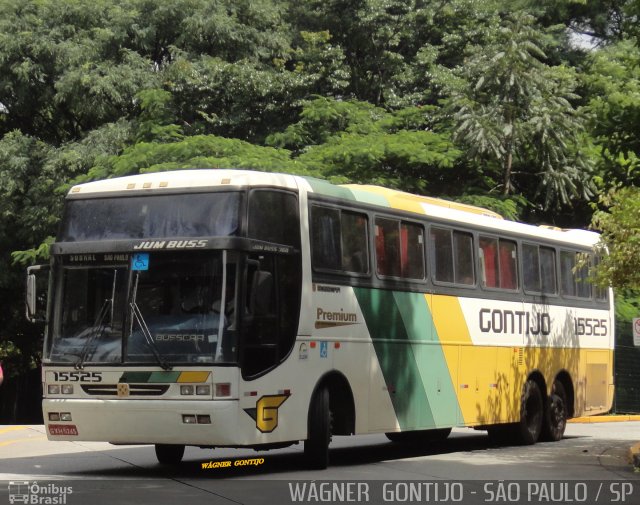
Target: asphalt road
[467, 466]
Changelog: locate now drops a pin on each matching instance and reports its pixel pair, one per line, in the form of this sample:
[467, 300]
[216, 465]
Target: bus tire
[531, 414]
[555, 415]
[169, 454]
[316, 446]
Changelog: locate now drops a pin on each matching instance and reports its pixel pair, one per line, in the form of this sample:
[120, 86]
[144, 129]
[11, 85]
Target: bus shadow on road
[290, 461]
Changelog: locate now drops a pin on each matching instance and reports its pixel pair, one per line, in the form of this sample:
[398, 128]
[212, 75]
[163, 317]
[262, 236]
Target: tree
[620, 239]
[613, 87]
[512, 110]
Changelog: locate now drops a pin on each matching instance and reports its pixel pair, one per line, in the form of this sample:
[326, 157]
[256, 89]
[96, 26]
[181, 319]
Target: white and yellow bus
[231, 308]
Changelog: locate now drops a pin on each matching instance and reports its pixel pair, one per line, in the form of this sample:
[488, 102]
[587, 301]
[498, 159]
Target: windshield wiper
[135, 310]
[99, 327]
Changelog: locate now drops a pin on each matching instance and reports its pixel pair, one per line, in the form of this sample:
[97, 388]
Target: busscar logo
[266, 412]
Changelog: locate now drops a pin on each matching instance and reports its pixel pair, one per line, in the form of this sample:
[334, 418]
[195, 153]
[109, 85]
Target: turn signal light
[223, 389]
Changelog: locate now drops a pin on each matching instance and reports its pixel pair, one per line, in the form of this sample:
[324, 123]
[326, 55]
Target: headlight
[186, 390]
[203, 390]
[53, 389]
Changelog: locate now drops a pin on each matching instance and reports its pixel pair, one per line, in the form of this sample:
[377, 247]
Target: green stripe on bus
[396, 357]
[164, 376]
[146, 377]
[133, 377]
[370, 198]
[429, 355]
[326, 188]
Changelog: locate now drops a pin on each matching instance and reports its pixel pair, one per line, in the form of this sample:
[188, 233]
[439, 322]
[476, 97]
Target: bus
[234, 308]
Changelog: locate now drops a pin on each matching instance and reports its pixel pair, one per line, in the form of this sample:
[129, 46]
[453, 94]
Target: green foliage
[620, 236]
[198, 151]
[508, 207]
[34, 255]
[614, 87]
[514, 111]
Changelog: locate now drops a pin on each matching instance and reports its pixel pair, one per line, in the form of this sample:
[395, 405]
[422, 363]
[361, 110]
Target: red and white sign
[63, 429]
[636, 331]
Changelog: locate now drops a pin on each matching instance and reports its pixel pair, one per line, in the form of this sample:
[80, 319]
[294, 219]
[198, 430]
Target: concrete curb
[634, 450]
[605, 419]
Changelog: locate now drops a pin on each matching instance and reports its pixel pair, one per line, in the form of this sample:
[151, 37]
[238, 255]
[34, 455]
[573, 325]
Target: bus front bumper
[148, 422]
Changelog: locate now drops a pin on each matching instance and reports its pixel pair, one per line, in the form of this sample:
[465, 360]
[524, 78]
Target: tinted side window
[583, 286]
[453, 256]
[355, 255]
[463, 258]
[273, 217]
[601, 294]
[412, 251]
[339, 240]
[567, 263]
[325, 238]
[575, 280]
[539, 269]
[387, 247]
[531, 268]
[399, 249]
[442, 254]
[499, 263]
[548, 275]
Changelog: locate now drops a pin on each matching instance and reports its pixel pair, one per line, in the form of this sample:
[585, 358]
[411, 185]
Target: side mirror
[36, 300]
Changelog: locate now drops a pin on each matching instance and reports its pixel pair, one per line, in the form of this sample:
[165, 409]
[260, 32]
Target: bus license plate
[63, 429]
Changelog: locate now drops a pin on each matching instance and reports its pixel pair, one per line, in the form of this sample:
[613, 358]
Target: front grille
[134, 389]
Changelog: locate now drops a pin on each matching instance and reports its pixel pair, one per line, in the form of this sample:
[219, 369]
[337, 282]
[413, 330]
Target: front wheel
[169, 454]
[555, 418]
[531, 414]
[316, 446]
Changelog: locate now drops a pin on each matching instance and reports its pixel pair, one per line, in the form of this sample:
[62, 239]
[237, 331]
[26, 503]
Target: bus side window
[270, 321]
[567, 263]
[499, 263]
[339, 240]
[442, 254]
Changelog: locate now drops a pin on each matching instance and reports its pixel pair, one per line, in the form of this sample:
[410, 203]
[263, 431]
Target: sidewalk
[634, 450]
[606, 418]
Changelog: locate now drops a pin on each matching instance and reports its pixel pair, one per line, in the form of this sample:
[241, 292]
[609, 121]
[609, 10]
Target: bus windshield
[152, 216]
[178, 309]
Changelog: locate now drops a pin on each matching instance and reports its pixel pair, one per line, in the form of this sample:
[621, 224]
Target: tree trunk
[507, 173]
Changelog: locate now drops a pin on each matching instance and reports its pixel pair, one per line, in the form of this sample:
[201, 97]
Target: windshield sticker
[140, 262]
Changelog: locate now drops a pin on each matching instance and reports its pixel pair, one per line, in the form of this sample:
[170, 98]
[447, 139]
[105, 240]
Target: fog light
[54, 416]
[203, 390]
[53, 389]
[204, 419]
[67, 389]
[223, 389]
[189, 419]
[65, 416]
[186, 390]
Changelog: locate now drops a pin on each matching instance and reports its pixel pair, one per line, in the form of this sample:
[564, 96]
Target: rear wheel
[316, 447]
[531, 414]
[555, 415]
[169, 454]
